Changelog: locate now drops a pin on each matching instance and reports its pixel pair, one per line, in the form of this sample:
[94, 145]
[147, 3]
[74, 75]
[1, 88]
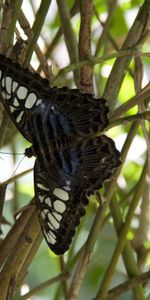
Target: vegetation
[100, 47]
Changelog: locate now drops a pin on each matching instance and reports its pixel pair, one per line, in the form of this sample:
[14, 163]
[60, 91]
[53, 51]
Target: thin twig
[120, 66]
[37, 26]
[106, 25]
[69, 35]
[103, 291]
[125, 120]
[44, 285]
[128, 256]
[15, 177]
[142, 96]
[92, 60]
[64, 282]
[2, 199]
[73, 11]
[130, 284]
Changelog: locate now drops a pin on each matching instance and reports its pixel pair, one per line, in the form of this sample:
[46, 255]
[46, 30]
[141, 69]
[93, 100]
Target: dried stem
[44, 285]
[92, 60]
[69, 35]
[103, 291]
[120, 66]
[86, 74]
[18, 255]
[130, 284]
[36, 29]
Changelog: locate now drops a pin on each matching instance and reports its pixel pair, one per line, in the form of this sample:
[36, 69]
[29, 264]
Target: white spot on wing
[61, 194]
[45, 211]
[12, 109]
[8, 81]
[30, 101]
[8, 96]
[43, 215]
[53, 221]
[50, 225]
[22, 92]
[3, 93]
[52, 234]
[0, 74]
[59, 206]
[68, 182]
[48, 201]
[67, 188]
[16, 103]
[18, 119]
[57, 216]
[51, 239]
[3, 82]
[41, 198]
[42, 187]
[14, 86]
[39, 101]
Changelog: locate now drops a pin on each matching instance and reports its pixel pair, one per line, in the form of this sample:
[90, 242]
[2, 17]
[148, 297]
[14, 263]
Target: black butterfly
[70, 163]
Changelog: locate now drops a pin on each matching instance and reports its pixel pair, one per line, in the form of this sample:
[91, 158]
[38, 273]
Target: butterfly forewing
[72, 112]
[18, 94]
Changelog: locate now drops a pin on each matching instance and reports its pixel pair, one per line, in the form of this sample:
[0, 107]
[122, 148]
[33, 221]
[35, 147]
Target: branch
[103, 291]
[142, 96]
[120, 66]
[86, 10]
[13, 235]
[44, 285]
[19, 253]
[130, 284]
[124, 121]
[112, 6]
[92, 60]
[69, 35]
[36, 29]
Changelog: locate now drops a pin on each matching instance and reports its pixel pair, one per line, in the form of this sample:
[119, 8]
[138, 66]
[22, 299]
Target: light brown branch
[121, 64]
[60, 277]
[69, 35]
[86, 78]
[130, 284]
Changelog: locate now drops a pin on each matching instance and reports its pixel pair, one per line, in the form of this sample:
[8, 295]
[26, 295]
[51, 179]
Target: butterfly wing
[68, 165]
[70, 112]
[61, 204]
[61, 192]
[85, 114]
[20, 91]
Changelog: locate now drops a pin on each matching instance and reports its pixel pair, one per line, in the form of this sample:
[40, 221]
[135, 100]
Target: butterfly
[70, 163]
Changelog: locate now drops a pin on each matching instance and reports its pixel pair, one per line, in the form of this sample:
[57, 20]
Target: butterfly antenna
[1, 152]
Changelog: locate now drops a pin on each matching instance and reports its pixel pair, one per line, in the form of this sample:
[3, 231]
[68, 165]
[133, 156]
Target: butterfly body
[70, 163]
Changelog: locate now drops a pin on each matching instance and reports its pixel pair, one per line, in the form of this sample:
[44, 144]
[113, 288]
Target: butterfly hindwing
[61, 204]
[99, 157]
[62, 197]
[91, 161]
